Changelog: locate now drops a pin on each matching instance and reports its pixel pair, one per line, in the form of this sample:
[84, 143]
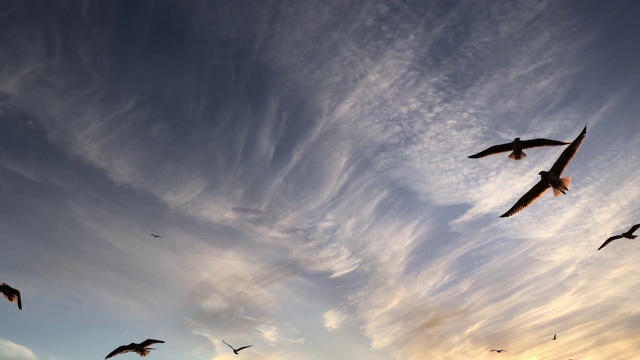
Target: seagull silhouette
[155, 236]
[628, 235]
[11, 294]
[142, 349]
[551, 178]
[554, 336]
[516, 148]
[498, 351]
[235, 351]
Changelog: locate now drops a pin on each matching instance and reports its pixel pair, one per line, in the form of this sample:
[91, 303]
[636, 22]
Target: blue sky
[305, 163]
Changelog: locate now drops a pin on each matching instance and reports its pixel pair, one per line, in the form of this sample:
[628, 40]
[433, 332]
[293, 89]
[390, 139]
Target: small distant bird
[551, 178]
[516, 148]
[155, 236]
[142, 349]
[11, 294]
[628, 235]
[554, 336]
[235, 351]
[498, 351]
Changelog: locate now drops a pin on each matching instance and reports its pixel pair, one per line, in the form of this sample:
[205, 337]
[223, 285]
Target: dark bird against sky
[155, 236]
[235, 351]
[498, 351]
[628, 235]
[554, 336]
[141, 349]
[550, 178]
[516, 148]
[11, 294]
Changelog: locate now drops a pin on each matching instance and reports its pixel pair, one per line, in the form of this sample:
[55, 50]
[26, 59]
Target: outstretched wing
[493, 150]
[634, 228]
[610, 240]
[529, 198]
[568, 154]
[527, 144]
[120, 350]
[150, 342]
[229, 345]
[244, 347]
[19, 299]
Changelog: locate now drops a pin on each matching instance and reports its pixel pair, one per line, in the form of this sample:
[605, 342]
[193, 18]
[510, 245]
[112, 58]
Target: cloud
[12, 351]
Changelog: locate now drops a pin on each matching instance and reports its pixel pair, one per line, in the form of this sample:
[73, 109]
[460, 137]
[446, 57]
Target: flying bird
[142, 349]
[235, 351]
[155, 236]
[554, 336]
[11, 294]
[628, 235]
[551, 178]
[498, 351]
[516, 148]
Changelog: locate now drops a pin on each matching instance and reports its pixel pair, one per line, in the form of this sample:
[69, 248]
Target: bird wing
[19, 299]
[529, 198]
[610, 240]
[493, 150]
[527, 144]
[120, 350]
[634, 228]
[568, 154]
[150, 342]
[229, 345]
[244, 347]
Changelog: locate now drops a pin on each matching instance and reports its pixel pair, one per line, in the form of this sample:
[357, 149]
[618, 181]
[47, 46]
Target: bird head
[542, 173]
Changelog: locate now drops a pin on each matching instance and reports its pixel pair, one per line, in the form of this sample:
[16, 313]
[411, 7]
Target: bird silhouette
[142, 349]
[628, 235]
[498, 351]
[554, 336]
[155, 236]
[11, 294]
[235, 351]
[551, 178]
[516, 148]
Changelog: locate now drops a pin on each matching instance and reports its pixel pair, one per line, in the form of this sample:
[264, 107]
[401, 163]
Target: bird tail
[564, 186]
[517, 157]
[145, 352]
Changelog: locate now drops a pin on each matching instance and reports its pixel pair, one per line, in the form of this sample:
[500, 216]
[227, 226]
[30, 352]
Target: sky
[305, 163]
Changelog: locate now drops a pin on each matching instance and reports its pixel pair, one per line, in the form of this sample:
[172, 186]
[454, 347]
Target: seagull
[516, 148]
[554, 336]
[235, 351]
[550, 178]
[155, 236]
[11, 294]
[142, 349]
[627, 235]
[498, 351]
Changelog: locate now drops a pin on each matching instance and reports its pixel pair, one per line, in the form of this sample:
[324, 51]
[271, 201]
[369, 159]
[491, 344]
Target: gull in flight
[235, 351]
[516, 148]
[11, 294]
[155, 236]
[627, 235]
[498, 351]
[554, 336]
[551, 178]
[142, 349]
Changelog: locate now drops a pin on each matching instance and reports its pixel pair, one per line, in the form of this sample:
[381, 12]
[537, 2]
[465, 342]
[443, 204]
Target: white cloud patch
[12, 351]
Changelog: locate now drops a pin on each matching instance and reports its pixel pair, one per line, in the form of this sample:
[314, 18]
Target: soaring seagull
[627, 235]
[516, 148]
[142, 349]
[551, 178]
[498, 351]
[155, 236]
[11, 294]
[235, 351]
